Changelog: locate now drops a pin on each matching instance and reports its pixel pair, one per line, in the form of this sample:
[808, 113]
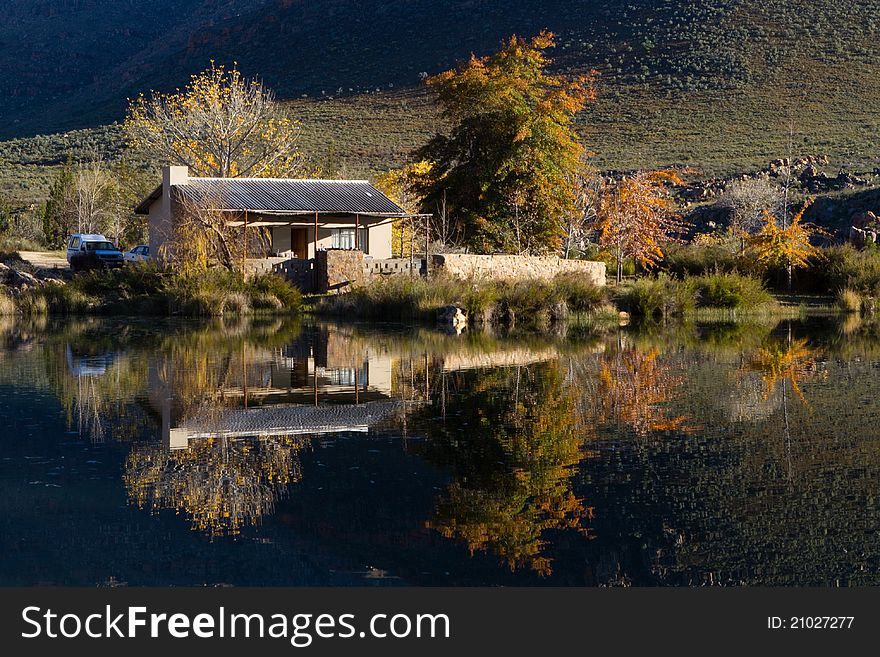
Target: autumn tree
[503, 171]
[219, 125]
[782, 244]
[398, 184]
[636, 215]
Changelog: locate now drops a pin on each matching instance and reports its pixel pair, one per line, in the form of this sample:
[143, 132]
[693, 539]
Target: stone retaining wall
[499, 267]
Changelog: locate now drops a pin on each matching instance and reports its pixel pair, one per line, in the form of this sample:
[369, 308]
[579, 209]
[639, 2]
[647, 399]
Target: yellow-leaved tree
[636, 215]
[397, 184]
[219, 125]
[785, 246]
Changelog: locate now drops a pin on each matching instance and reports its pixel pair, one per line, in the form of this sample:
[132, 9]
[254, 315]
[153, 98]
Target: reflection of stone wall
[499, 267]
[337, 270]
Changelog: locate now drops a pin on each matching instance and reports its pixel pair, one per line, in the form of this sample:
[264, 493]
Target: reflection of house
[308, 387]
[281, 420]
[301, 216]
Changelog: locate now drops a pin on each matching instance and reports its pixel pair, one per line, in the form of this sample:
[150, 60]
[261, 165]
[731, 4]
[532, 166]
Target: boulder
[453, 318]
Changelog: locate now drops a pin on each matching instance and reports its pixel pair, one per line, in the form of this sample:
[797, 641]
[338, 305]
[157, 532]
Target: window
[98, 246]
[74, 243]
[343, 238]
[348, 376]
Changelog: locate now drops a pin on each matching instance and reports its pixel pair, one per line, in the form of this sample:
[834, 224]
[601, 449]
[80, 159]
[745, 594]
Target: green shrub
[392, 298]
[266, 291]
[845, 267]
[236, 303]
[656, 297]
[148, 289]
[580, 295]
[729, 290]
[698, 259]
[531, 302]
[67, 299]
[480, 301]
[266, 301]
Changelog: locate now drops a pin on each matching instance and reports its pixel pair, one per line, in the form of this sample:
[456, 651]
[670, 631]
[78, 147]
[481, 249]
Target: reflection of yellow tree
[513, 472]
[780, 361]
[634, 387]
[221, 483]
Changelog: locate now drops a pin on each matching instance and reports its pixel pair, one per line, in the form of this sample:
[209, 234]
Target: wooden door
[299, 243]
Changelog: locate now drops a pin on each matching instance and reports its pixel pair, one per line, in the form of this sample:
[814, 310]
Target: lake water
[285, 453]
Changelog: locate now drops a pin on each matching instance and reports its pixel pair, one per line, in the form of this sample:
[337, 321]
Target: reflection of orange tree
[633, 388]
[221, 483]
[784, 361]
[513, 467]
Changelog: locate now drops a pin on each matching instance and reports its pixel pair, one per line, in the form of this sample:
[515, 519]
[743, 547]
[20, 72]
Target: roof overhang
[144, 206]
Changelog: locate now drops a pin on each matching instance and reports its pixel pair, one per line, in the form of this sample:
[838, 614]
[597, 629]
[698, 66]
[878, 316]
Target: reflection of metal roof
[285, 195]
[288, 419]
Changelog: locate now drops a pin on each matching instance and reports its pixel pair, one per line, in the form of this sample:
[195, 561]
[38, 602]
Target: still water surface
[284, 453]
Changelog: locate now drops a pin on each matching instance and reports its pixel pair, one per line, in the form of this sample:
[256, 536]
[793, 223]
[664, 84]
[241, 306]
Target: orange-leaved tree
[636, 215]
[786, 246]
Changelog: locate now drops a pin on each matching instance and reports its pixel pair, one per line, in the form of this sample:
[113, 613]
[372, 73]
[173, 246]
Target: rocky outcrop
[452, 319]
[18, 280]
[815, 181]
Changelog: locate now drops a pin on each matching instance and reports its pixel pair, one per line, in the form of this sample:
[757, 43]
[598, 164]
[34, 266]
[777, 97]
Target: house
[301, 217]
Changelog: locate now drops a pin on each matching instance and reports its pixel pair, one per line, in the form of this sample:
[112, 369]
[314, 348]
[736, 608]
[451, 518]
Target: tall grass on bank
[664, 296]
[149, 290]
[528, 302]
[655, 298]
[729, 290]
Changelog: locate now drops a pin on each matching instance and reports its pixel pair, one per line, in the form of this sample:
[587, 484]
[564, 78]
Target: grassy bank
[147, 290]
[524, 303]
[537, 303]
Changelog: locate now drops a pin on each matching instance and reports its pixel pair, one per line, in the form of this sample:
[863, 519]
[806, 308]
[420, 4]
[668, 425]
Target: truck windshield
[99, 246]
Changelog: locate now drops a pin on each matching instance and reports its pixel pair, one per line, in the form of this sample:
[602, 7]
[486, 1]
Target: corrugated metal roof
[289, 195]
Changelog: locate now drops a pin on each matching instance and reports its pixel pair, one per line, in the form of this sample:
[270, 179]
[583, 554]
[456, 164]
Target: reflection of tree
[633, 389]
[512, 445]
[785, 361]
[221, 483]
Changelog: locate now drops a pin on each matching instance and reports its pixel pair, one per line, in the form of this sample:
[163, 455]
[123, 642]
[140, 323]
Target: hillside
[714, 85]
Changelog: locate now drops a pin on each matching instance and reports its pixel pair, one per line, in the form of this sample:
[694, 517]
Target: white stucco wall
[378, 239]
[161, 213]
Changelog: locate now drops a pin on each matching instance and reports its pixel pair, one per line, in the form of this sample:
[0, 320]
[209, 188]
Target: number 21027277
[810, 622]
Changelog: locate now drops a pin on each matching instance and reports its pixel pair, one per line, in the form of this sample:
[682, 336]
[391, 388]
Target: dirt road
[45, 259]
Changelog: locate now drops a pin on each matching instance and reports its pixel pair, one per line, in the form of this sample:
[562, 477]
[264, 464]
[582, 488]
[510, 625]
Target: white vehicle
[92, 251]
[140, 253]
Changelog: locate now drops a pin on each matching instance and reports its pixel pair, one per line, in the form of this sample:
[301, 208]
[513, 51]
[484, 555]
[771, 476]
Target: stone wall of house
[500, 267]
[337, 270]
